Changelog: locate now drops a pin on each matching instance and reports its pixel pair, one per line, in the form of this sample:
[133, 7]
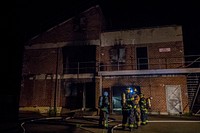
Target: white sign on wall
[164, 49]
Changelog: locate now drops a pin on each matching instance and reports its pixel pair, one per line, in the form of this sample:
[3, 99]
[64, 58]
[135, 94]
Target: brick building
[68, 66]
[145, 57]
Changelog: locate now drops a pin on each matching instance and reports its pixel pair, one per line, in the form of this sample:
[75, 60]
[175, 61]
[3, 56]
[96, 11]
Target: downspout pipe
[56, 80]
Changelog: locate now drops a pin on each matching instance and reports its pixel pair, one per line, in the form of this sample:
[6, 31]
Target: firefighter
[137, 108]
[143, 108]
[148, 100]
[104, 110]
[128, 106]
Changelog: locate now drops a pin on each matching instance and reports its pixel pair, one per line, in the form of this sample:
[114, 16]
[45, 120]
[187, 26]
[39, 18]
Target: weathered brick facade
[46, 84]
[154, 87]
[43, 63]
[84, 26]
[164, 47]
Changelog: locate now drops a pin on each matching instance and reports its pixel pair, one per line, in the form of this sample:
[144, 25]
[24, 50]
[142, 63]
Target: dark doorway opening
[142, 58]
[80, 95]
[116, 97]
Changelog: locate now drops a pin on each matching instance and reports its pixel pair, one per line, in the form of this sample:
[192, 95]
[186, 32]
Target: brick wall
[151, 86]
[67, 31]
[157, 60]
[40, 93]
[171, 59]
[38, 77]
[40, 61]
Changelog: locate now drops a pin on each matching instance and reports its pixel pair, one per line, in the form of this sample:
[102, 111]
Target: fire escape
[193, 85]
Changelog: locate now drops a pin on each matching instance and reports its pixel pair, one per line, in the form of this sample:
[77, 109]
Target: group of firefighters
[134, 109]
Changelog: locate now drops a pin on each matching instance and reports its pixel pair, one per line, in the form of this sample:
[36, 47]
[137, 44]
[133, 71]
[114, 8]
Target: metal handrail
[151, 63]
[195, 97]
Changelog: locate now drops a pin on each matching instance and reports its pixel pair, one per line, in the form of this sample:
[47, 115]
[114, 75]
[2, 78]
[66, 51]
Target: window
[80, 23]
[117, 55]
[79, 59]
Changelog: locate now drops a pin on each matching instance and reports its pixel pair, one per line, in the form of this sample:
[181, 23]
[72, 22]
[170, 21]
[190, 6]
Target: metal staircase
[193, 85]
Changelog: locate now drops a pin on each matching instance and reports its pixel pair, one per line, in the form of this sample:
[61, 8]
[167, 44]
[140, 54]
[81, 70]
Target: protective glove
[130, 106]
[132, 98]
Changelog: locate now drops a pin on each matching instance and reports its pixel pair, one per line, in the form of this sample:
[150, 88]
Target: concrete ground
[166, 124]
[85, 122]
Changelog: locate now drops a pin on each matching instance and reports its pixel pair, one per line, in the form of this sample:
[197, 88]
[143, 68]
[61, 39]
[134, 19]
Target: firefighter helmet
[135, 90]
[105, 93]
[129, 90]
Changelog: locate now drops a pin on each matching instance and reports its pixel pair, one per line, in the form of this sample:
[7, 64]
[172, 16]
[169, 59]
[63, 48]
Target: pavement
[87, 122]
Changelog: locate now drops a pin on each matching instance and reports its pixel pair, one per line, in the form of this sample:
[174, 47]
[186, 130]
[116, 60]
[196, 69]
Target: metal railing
[195, 98]
[189, 61]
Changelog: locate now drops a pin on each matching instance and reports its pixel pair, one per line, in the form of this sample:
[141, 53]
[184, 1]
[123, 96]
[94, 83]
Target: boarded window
[117, 55]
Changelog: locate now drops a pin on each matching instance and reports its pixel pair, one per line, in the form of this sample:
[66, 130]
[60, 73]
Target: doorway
[142, 58]
[116, 97]
[173, 99]
[80, 95]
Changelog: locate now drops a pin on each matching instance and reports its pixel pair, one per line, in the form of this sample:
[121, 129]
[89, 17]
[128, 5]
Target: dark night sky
[36, 16]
